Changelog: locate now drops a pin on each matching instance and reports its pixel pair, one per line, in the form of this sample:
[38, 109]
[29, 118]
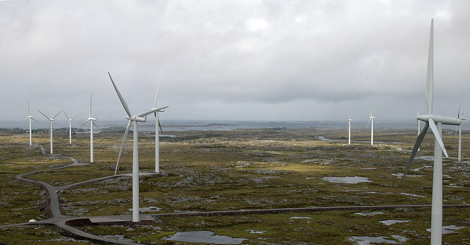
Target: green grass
[240, 169]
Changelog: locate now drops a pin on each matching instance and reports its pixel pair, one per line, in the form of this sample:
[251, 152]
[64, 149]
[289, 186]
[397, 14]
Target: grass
[242, 169]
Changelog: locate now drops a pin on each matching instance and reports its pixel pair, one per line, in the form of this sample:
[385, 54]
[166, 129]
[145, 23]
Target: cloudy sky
[233, 60]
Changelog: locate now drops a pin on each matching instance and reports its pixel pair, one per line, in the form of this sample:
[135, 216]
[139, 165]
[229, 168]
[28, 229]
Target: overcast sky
[233, 60]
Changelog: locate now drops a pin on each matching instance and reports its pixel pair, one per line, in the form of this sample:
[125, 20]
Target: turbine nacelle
[440, 119]
[137, 119]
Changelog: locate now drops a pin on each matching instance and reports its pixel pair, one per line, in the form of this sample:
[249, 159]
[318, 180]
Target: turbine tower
[349, 129]
[371, 121]
[435, 123]
[70, 127]
[157, 136]
[460, 116]
[141, 117]
[51, 119]
[30, 118]
[92, 122]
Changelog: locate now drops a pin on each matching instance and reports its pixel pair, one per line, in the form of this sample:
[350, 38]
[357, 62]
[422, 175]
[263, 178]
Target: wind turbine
[92, 122]
[349, 129]
[141, 117]
[419, 124]
[70, 127]
[51, 119]
[157, 136]
[460, 116]
[371, 121]
[30, 118]
[435, 123]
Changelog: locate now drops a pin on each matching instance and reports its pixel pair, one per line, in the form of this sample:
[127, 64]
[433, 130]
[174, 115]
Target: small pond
[365, 240]
[347, 180]
[205, 237]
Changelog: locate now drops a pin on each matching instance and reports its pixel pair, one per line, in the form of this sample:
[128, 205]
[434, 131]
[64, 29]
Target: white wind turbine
[51, 119]
[435, 123]
[419, 124]
[141, 117]
[460, 116]
[70, 127]
[92, 122]
[349, 129]
[371, 121]
[157, 136]
[30, 118]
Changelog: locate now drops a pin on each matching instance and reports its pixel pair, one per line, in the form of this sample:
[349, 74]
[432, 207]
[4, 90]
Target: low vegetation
[238, 170]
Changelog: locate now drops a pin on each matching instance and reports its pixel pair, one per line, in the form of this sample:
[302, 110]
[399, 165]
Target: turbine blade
[66, 115]
[81, 125]
[419, 140]
[458, 114]
[123, 102]
[35, 120]
[44, 115]
[437, 134]
[160, 125]
[96, 125]
[369, 121]
[29, 112]
[24, 122]
[156, 96]
[430, 72]
[122, 145]
[143, 114]
[57, 114]
[89, 111]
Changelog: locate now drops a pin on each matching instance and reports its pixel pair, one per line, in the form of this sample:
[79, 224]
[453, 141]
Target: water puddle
[256, 232]
[301, 218]
[118, 238]
[449, 229]
[393, 221]
[413, 195]
[369, 214]
[148, 209]
[204, 236]
[400, 175]
[347, 180]
[365, 240]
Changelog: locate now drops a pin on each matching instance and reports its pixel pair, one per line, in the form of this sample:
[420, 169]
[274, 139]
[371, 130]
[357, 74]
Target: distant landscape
[213, 181]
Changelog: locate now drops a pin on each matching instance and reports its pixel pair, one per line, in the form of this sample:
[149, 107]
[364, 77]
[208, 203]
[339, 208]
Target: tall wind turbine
[371, 121]
[435, 123]
[92, 122]
[141, 117]
[70, 127]
[157, 136]
[349, 129]
[460, 116]
[51, 119]
[30, 118]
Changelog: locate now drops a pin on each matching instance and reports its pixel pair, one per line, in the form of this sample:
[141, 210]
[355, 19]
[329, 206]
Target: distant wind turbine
[30, 131]
[157, 136]
[349, 129]
[141, 117]
[460, 116]
[419, 124]
[435, 123]
[51, 119]
[70, 127]
[371, 121]
[92, 122]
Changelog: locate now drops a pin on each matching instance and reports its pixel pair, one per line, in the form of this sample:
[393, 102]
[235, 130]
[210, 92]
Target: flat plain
[239, 170]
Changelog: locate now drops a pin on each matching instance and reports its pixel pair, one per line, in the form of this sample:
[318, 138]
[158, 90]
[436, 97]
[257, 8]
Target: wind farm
[253, 147]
